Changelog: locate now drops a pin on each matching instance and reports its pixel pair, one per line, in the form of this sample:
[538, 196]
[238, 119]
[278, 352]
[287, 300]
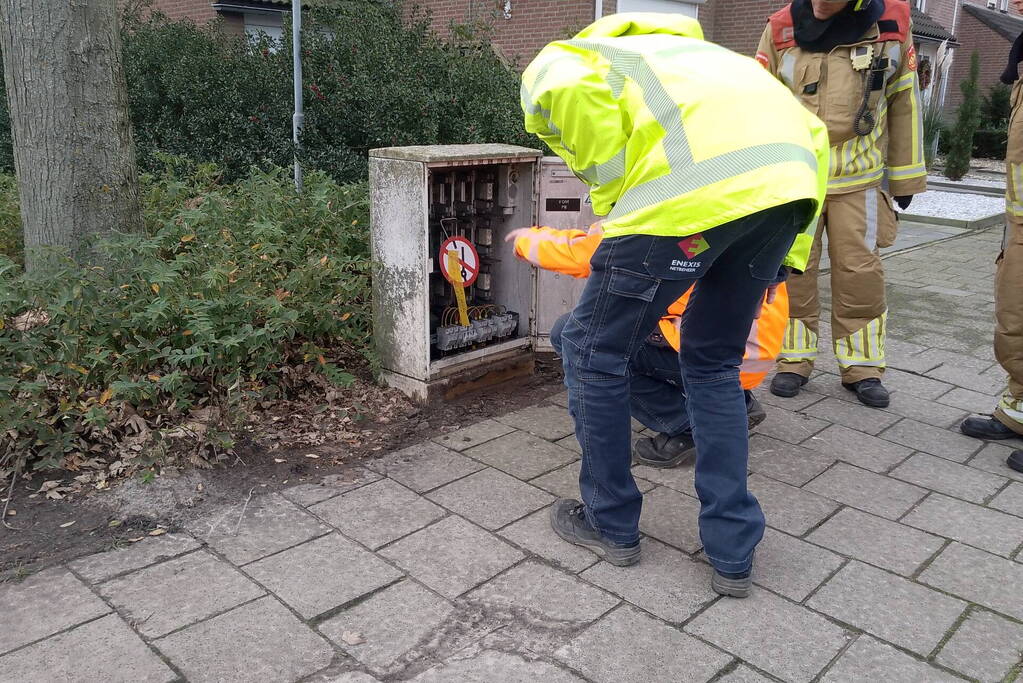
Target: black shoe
[754, 410]
[870, 392]
[986, 428]
[663, 450]
[737, 587]
[787, 384]
[1015, 461]
[568, 519]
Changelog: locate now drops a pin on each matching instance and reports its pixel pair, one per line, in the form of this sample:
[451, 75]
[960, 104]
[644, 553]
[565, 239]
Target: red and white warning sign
[467, 258]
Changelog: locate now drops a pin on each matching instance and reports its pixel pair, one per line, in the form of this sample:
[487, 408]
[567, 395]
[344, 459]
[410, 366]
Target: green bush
[960, 136]
[11, 234]
[206, 95]
[242, 290]
[995, 107]
[990, 143]
[373, 77]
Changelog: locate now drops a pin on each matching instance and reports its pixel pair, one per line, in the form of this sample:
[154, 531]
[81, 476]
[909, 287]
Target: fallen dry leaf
[12, 513]
[135, 540]
[312, 455]
[353, 637]
[30, 319]
[279, 460]
[65, 525]
[157, 532]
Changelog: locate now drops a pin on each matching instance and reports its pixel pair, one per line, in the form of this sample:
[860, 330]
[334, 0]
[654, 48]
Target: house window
[262, 24]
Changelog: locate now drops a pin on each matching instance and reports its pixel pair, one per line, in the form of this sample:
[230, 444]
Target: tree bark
[73, 149]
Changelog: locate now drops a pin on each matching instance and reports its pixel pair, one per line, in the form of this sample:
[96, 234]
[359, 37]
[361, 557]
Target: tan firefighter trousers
[1009, 276]
[857, 225]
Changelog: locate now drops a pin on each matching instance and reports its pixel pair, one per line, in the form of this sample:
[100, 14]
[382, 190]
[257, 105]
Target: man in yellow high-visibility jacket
[697, 187]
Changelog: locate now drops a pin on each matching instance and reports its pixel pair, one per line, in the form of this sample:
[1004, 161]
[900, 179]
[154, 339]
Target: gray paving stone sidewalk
[894, 550]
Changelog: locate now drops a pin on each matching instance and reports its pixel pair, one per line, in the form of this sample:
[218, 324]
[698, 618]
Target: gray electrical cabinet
[439, 218]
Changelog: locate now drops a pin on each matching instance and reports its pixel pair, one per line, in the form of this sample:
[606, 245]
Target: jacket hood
[643, 23]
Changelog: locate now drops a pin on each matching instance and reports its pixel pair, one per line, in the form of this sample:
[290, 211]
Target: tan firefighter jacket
[832, 86]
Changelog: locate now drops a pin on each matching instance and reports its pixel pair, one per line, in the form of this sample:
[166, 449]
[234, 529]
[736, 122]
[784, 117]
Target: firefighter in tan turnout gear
[1007, 421]
[853, 65]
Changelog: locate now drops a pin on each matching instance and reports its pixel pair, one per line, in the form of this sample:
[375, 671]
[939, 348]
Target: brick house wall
[533, 23]
[993, 48]
[738, 24]
[201, 12]
[943, 12]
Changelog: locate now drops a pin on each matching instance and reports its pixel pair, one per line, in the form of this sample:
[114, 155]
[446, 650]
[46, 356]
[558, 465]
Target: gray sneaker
[733, 588]
[754, 410]
[568, 519]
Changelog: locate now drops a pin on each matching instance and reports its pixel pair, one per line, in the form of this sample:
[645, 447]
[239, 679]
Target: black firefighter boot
[986, 428]
[664, 451]
[1015, 461]
[870, 392]
[787, 384]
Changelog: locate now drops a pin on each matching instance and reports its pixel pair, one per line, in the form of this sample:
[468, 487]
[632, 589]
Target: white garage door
[670, 6]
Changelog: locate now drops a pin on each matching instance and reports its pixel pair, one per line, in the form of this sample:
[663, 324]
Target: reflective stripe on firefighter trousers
[800, 342]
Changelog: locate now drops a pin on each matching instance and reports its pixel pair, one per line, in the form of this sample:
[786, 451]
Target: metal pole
[298, 119]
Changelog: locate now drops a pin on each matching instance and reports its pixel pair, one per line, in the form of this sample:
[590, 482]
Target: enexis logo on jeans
[694, 245]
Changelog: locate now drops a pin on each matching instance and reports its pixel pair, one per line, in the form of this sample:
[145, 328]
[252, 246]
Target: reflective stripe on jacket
[569, 252]
[674, 135]
[829, 86]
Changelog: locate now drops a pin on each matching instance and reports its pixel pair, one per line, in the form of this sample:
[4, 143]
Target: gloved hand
[904, 201]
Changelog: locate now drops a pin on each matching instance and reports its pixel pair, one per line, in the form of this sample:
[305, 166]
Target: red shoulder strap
[781, 28]
[895, 22]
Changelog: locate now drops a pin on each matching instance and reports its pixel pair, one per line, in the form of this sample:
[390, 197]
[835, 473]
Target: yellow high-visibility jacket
[674, 135]
[569, 252]
[831, 86]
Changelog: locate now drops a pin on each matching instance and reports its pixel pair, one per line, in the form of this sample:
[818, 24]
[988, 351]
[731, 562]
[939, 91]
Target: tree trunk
[73, 149]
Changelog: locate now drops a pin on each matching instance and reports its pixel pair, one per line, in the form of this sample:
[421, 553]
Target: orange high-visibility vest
[569, 252]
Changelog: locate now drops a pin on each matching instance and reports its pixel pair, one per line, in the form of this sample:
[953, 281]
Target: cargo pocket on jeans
[626, 307]
[632, 285]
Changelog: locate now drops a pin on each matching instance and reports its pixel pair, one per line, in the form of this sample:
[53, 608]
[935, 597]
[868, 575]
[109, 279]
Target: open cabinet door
[564, 202]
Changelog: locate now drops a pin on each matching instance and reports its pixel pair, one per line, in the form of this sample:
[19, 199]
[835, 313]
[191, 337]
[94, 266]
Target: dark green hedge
[374, 76]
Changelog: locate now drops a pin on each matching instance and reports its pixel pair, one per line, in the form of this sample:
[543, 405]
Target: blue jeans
[656, 393]
[633, 281]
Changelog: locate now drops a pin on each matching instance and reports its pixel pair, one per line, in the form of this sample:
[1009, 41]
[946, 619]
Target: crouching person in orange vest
[656, 389]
